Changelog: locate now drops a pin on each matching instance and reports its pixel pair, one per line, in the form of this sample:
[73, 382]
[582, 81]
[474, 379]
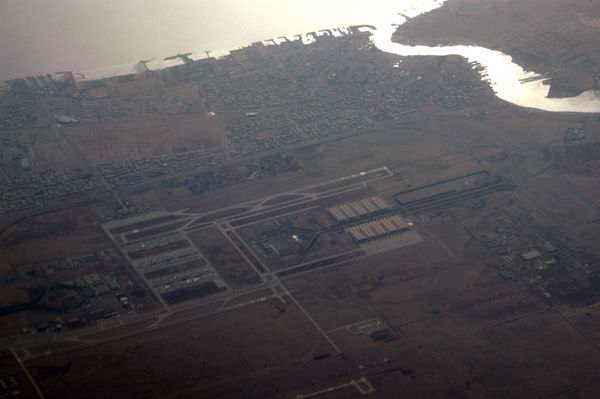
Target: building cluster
[16, 116]
[250, 79]
[338, 126]
[87, 111]
[333, 111]
[24, 90]
[167, 267]
[10, 386]
[314, 95]
[231, 175]
[13, 148]
[155, 102]
[456, 92]
[127, 172]
[266, 88]
[315, 121]
[34, 189]
[574, 134]
[324, 110]
[544, 263]
[378, 228]
[38, 84]
[103, 292]
[249, 138]
[91, 106]
[357, 209]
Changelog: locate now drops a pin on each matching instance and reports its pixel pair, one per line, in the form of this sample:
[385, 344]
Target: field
[208, 366]
[114, 141]
[46, 144]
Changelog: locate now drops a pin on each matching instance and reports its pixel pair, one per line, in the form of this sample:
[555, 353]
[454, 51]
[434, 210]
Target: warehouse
[378, 228]
[357, 209]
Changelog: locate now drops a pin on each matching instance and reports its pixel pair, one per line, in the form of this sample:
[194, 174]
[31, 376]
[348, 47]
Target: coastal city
[312, 112]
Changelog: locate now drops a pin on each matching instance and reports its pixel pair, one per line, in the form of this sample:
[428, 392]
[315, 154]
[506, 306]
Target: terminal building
[358, 209]
[378, 228]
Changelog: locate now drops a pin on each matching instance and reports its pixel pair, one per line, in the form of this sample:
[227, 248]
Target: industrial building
[378, 228]
[530, 255]
[358, 209]
[548, 246]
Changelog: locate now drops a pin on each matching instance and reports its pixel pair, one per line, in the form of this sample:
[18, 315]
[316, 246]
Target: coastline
[160, 63]
[508, 80]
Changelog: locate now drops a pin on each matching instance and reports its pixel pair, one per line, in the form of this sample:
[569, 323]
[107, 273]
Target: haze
[39, 37]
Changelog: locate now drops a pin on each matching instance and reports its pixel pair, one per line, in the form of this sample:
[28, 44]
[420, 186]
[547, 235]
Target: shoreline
[509, 81]
[160, 63]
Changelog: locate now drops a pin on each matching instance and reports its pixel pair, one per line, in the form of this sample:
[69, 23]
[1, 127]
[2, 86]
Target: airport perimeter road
[38, 391]
[337, 349]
